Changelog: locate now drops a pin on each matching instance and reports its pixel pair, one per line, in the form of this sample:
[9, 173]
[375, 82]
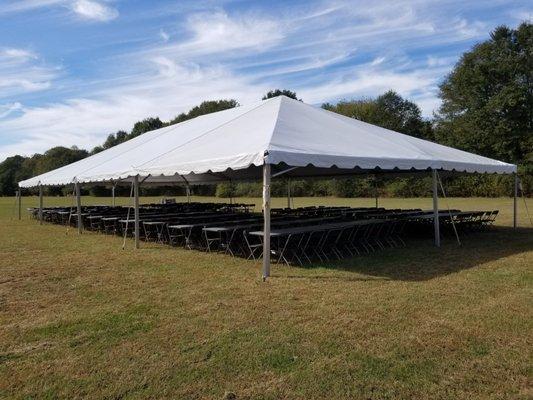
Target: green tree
[206, 107]
[363, 110]
[402, 115]
[146, 125]
[59, 156]
[390, 110]
[97, 149]
[281, 92]
[11, 171]
[140, 127]
[18, 168]
[487, 100]
[114, 139]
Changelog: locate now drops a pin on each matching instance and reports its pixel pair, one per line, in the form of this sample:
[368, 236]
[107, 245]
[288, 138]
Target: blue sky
[73, 71]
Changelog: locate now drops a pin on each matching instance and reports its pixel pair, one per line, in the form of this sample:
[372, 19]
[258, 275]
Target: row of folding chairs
[463, 222]
[467, 222]
[63, 215]
[298, 236]
[327, 242]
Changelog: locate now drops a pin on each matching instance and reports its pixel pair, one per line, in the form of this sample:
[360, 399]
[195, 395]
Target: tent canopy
[234, 144]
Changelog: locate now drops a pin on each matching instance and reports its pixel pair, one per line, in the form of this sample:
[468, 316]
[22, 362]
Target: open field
[81, 318]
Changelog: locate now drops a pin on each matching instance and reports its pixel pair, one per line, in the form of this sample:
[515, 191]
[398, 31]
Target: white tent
[278, 130]
[275, 136]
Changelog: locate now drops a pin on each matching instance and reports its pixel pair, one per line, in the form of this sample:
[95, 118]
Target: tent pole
[78, 207]
[289, 193]
[187, 188]
[136, 206]
[19, 203]
[436, 208]
[376, 191]
[515, 201]
[40, 205]
[113, 195]
[266, 216]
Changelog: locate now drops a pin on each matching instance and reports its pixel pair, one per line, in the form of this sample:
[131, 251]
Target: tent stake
[266, 217]
[436, 209]
[136, 205]
[78, 207]
[40, 204]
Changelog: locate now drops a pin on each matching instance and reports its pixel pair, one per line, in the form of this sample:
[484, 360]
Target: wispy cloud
[218, 33]
[93, 10]
[522, 14]
[435, 61]
[17, 54]
[14, 6]
[21, 71]
[469, 29]
[369, 80]
[164, 35]
[6, 109]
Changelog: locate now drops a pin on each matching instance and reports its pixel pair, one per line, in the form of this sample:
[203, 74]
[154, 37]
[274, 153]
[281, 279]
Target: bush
[363, 186]
[225, 190]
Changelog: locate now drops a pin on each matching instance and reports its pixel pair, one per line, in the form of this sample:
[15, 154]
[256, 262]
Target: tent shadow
[421, 261]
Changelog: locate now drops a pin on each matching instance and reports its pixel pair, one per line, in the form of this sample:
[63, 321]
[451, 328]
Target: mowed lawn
[82, 318]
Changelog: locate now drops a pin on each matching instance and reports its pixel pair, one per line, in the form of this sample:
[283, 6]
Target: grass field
[82, 318]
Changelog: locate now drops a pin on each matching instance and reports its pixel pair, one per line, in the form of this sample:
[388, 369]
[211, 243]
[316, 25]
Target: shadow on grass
[420, 260]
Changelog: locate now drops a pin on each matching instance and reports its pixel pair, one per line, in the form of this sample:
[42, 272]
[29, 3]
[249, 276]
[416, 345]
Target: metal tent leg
[515, 201]
[289, 193]
[113, 195]
[19, 204]
[40, 204]
[136, 206]
[266, 217]
[436, 208]
[78, 207]
[376, 191]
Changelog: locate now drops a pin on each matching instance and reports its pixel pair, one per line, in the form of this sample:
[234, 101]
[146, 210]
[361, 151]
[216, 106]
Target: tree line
[487, 109]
